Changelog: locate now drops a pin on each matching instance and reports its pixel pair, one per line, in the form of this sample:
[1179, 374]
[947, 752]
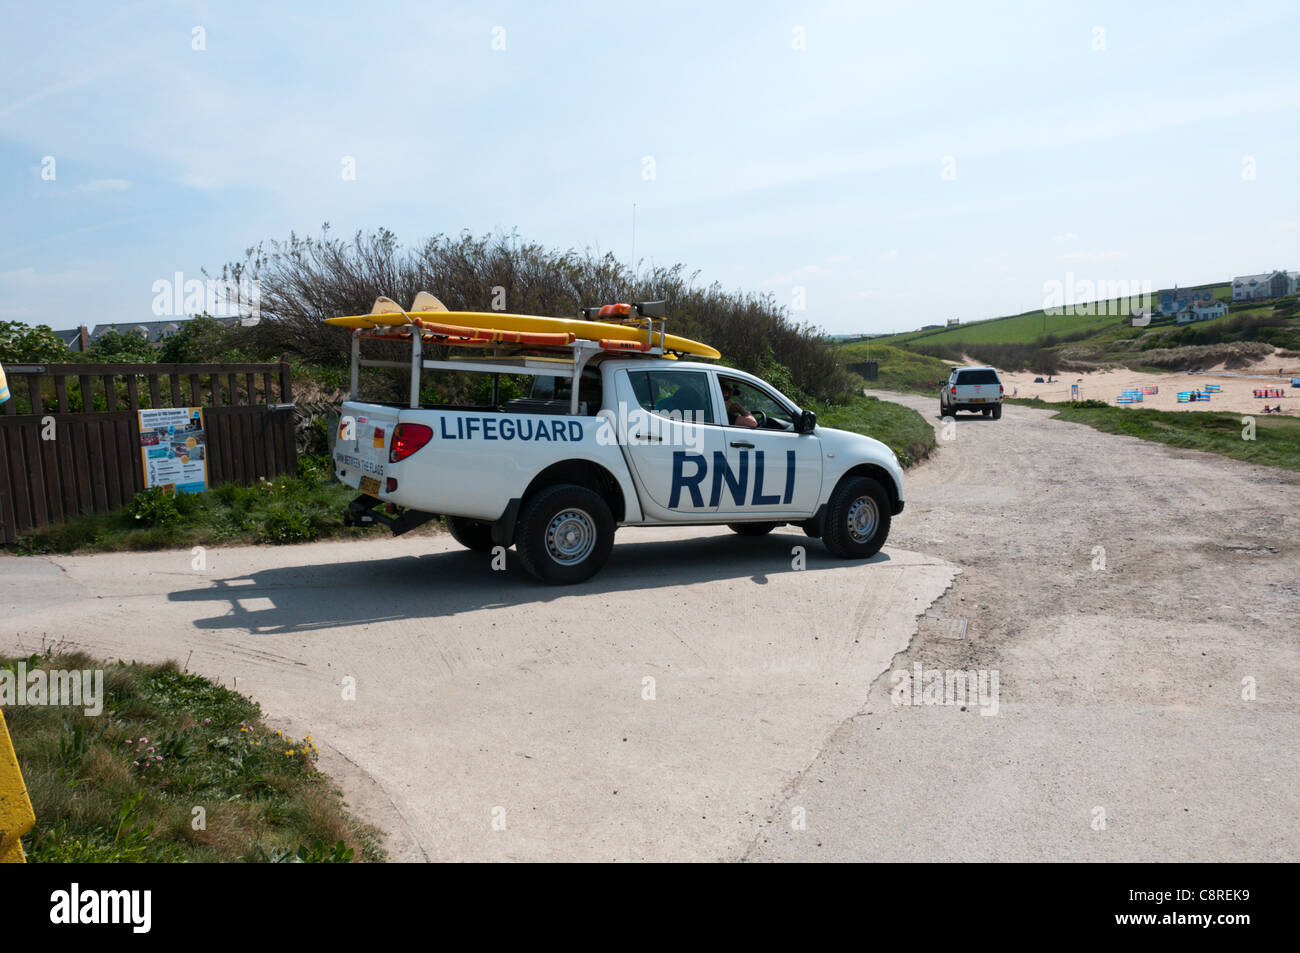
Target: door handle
[648, 436]
[743, 444]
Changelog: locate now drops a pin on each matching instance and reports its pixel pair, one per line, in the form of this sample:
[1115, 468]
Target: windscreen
[985, 376]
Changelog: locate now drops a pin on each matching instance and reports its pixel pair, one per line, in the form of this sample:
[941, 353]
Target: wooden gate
[70, 437]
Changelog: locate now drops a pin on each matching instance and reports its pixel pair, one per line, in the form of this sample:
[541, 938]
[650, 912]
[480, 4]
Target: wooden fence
[70, 435]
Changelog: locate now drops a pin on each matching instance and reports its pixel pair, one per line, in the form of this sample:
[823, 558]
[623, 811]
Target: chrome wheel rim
[571, 536]
[863, 517]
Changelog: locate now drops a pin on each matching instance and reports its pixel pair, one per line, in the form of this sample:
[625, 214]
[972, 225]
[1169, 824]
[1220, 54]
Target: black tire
[943, 411]
[752, 529]
[997, 412]
[544, 534]
[471, 533]
[857, 518]
[987, 411]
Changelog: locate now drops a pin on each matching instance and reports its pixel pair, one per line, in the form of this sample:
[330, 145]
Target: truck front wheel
[471, 534]
[565, 534]
[857, 518]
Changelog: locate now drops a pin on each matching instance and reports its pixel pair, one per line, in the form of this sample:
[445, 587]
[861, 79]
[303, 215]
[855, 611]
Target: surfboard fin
[386, 306]
[427, 302]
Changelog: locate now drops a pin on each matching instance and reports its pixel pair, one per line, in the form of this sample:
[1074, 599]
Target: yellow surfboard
[388, 314]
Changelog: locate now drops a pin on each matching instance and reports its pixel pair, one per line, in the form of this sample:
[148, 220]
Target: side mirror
[807, 421]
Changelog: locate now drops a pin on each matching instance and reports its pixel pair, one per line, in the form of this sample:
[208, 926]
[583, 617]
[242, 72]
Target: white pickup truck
[972, 388]
[606, 440]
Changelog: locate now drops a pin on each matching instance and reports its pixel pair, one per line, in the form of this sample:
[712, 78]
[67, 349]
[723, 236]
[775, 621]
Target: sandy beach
[1236, 397]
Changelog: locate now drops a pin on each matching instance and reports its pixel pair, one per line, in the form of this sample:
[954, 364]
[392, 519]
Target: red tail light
[954, 389]
[408, 438]
[1001, 390]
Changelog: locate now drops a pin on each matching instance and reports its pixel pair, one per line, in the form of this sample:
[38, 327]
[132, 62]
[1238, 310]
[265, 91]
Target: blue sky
[911, 163]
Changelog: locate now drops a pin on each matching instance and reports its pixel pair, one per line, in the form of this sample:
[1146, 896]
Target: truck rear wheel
[471, 534]
[565, 534]
[997, 412]
[857, 518]
[752, 529]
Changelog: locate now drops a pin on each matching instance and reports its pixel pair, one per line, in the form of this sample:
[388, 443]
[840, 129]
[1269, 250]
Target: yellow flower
[290, 751]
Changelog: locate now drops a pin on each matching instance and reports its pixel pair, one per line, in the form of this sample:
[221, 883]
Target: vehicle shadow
[438, 585]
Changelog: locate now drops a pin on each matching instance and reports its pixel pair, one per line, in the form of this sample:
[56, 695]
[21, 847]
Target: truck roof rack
[499, 352]
[559, 360]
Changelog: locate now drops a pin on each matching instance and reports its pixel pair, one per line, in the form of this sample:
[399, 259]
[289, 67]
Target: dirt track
[1121, 688]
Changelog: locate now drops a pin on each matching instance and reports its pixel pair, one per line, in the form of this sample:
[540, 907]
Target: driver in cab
[736, 412]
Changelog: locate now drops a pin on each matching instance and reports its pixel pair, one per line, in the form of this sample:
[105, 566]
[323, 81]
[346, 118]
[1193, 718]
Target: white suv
[972, 388]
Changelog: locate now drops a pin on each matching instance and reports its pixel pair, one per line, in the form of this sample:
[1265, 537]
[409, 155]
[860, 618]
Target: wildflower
[136, 763]
[144, 741]
[290, 751]
[207, 721]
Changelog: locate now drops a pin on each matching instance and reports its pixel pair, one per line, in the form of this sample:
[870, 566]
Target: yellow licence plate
[977, 400]
[370, 485]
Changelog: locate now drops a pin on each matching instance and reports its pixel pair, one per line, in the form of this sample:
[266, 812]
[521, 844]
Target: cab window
[754, 401]
[682, 395]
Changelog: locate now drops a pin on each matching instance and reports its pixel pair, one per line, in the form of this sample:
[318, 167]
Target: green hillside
[1052, 343]
[898, 369]
[1026, 328]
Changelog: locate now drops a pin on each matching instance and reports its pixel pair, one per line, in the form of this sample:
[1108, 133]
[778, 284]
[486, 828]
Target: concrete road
[700, 699]
[1140, 606]
[657, 712]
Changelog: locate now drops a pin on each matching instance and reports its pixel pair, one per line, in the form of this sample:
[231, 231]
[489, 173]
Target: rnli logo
[691, 471]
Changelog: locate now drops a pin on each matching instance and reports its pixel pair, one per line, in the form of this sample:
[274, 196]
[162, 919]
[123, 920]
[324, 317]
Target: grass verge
[901, 428]
[1276, 440]
[297, 509]
[175, 769]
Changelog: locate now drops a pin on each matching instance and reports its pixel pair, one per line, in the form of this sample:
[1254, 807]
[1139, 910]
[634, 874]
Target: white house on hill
[1273, 284]
[1202, 311]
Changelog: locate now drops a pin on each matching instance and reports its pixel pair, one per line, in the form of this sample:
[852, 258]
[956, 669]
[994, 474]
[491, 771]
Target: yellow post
[16, 816]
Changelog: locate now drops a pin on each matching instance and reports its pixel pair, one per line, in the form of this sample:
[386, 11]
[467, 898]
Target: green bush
[23, 344]
[304, 280]
[287, 523]
[155, 507]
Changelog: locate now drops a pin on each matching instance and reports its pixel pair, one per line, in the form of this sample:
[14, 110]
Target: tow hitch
[363, 511]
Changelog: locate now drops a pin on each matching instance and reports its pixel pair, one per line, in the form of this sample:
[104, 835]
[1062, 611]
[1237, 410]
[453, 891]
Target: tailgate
[977, 393]
[361, 445]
